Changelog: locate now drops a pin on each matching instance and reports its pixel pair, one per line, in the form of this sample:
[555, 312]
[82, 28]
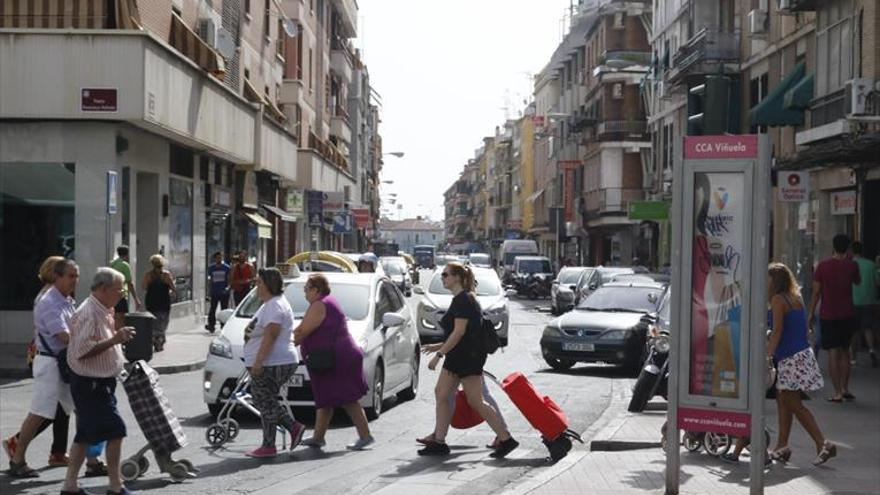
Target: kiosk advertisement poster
[720, 242]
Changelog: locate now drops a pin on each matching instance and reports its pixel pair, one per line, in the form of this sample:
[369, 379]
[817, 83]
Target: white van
[512, 248]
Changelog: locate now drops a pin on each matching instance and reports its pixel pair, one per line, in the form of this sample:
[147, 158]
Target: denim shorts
[97, 417]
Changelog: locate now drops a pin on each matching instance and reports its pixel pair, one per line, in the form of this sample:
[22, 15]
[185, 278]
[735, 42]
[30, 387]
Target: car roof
[640, 284]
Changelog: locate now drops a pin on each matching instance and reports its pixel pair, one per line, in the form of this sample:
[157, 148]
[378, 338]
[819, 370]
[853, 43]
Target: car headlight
[551, 332]
[426, 308]
[428, 324]
[662, 344]
[614, 335]
[221, 346]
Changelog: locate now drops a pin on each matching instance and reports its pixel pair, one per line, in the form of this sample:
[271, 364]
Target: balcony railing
[708, 45]
[610, 201]
[621, 129]
[623, 56]
[328, 151]
[828, 108]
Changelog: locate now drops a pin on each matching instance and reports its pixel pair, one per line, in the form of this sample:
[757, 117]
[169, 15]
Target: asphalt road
[391, 467]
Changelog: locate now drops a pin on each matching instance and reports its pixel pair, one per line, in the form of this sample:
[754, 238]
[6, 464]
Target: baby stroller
[715, 444]
[159, 424]
[226, 428]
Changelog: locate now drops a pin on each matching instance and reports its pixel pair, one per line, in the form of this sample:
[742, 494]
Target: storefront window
[180, 244]
[36, 221]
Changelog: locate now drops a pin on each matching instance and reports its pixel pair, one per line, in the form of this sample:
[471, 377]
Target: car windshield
[622, 299]
[533, 266]
[479, 259]
[487, 285]
[569, 277]
[394, 268]
[354, 300]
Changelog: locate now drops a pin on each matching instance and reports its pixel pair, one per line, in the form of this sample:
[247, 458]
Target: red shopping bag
[464, 416]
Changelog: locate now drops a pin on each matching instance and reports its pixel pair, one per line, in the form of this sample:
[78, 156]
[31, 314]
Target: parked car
[570, 285]
[398, 271]
[531, 276]
[490, 294]
[378, 319]
[480, 260]
[607, 273]
[609, 326]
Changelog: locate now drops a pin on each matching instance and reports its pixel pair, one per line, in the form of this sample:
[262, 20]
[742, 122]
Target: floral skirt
[799, 372]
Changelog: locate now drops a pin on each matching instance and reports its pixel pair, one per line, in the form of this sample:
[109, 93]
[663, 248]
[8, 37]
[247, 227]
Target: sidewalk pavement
[186, 349]
[608, 468]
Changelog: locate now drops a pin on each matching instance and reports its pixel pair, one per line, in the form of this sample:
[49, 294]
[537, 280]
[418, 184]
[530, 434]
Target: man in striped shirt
[95, 359]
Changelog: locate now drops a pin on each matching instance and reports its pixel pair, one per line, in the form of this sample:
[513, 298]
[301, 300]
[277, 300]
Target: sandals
[21, 470]
[95, 470]
[781, 455]
[828, 451]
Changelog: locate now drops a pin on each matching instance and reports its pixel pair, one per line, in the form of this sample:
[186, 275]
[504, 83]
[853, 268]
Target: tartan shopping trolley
[159, 424]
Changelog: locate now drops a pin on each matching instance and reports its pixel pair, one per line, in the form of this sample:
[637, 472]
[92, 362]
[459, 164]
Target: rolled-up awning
[187, 42]
[264, 227]
[283, 215]
[69, 14]
[535, 196]
[251, 93]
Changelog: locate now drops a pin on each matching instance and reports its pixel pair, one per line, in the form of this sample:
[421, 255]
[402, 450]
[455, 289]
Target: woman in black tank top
[159, 286]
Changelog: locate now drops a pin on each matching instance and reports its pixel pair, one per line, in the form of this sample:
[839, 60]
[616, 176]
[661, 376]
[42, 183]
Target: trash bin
[141, 346]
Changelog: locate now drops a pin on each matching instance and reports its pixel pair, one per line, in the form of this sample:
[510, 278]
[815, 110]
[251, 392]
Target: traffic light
[709, 105]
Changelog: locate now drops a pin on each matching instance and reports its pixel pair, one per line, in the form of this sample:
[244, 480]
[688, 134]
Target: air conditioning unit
[758, 21]
[856, 94]
[207, 30]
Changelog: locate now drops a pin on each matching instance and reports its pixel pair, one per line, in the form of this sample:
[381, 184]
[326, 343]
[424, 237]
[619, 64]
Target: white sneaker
[362, 444]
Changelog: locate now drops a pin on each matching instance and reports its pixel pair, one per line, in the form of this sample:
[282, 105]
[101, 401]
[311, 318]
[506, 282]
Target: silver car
[436, 301]
[571, 285]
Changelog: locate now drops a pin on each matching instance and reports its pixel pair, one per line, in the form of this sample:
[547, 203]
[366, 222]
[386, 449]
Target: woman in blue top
[797, 369]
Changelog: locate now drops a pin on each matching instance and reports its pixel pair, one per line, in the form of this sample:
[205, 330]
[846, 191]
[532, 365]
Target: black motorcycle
[537, 286]
[654, 377]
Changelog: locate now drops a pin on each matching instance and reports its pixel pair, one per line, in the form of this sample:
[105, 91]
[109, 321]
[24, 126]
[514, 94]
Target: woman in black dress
[463, 355]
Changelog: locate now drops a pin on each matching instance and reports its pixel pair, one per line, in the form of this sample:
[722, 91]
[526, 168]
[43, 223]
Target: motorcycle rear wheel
[641, 392]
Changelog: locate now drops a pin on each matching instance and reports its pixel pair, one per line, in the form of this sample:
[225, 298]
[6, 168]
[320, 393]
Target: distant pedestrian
[241, 277]
[464, 356]
[324, 328]
[367, 263]
[271, 359]
[797, 369]
[159, 287]
[218, 273]
[833, 286]
[121, 265]
[865, 301]
[95, 359]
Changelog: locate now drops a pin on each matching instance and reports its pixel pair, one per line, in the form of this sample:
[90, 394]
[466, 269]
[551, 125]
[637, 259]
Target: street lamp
[397, 154]
[387, 182]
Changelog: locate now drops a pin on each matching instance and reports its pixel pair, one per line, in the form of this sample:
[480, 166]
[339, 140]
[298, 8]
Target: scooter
[654, 377]
[537, 285]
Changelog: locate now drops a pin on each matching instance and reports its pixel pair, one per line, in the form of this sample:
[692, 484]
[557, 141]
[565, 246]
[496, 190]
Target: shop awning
[801, 94]
[283, 215]
[535, 196]
[69, 14]
[187, 42]
[251, 93]
[264, 227]
[771, 110]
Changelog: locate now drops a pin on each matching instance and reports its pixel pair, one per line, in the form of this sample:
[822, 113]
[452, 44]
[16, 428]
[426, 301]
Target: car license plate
[295, 381]
[571, 346]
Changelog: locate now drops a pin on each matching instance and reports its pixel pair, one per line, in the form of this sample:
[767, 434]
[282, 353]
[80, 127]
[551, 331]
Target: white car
[378, 319]
[492, 297]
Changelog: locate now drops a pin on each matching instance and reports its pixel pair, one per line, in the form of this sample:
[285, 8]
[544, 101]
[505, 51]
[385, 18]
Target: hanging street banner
[720, 249]
[333, 202]
[569, 168]
[315, 203]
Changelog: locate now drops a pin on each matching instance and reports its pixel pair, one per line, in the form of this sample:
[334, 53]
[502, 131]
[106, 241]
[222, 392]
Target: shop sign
[720, 147]
[98, 100]
[792, 187]
[343, 222]
[569, 167]
[293, 203]
[361, 217]
[843, 202]
[333, 201]
[648, 210]
[316, 208]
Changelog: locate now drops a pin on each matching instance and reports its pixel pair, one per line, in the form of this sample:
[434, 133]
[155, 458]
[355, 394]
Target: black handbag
[60, 358]
[491, 342]
[322, 360]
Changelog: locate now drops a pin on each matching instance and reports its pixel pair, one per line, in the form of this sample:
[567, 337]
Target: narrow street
[391, 467]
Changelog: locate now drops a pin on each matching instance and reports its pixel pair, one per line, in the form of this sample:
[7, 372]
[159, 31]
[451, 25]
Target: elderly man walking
[95, 359]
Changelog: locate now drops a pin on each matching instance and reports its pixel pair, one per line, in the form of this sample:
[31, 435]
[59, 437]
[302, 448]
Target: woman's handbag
[322, 360]
[60, 358]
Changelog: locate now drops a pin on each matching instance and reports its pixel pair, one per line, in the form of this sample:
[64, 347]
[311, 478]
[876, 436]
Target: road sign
[111, 192]
[343, 222]
[648, 210]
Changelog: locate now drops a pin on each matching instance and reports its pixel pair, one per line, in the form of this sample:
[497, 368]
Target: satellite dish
[290, 27]
[224, 43]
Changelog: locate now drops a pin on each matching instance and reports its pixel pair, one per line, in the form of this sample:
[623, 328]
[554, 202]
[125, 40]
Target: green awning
[799, 97]
[771, 110]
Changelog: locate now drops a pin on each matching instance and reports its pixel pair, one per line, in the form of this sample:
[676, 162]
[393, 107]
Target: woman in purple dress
[324, 327]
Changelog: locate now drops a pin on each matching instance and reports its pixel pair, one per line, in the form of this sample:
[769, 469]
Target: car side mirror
[509, 293]
[419, 290]
[224, 316]
[573, 288]
[393, 320]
